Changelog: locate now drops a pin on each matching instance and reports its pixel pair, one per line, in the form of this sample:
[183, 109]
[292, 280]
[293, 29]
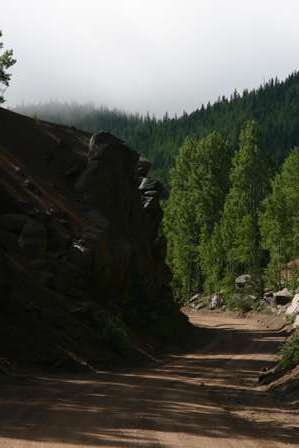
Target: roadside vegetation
[290, 352]
[229, 214]
[6, 62]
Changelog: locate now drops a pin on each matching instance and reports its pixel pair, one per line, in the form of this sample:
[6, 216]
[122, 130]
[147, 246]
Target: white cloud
[147, 56]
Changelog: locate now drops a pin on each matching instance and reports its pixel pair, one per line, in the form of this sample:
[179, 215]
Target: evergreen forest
[274, 106]
[232, 171]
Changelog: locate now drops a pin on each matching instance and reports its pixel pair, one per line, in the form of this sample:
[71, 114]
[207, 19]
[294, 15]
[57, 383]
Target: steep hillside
[82, 271]
[274, 105]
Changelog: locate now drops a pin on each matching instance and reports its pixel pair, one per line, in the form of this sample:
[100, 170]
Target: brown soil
[207, 398]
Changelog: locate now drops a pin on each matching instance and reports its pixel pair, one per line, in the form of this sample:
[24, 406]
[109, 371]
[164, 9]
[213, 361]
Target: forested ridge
[233, 175]
[274, 105]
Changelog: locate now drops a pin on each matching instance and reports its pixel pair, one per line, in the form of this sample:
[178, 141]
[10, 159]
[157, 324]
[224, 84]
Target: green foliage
[6, 61]
[292, 282]
[290, 352]
[212, 216]
[279, 219]
[239, 224]
[242, 302]
[212, 259]
[246, 298]
[199, 182]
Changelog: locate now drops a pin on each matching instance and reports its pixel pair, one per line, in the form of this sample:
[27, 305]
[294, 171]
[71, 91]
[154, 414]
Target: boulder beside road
[293, 308]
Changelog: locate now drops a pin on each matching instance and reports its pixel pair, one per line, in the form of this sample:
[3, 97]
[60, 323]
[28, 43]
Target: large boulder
[282, 297]
[149, 184]
[99, 144]
[242, 281]
[293, 308]
[216, 301]
[143, 167]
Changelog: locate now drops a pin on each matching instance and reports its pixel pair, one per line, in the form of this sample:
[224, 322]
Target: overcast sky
[147, 55]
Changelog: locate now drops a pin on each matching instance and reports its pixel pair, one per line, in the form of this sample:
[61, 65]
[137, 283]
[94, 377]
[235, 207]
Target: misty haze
[144, 57]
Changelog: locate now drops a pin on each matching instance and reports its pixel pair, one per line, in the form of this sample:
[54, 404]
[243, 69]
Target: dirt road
[205, 399]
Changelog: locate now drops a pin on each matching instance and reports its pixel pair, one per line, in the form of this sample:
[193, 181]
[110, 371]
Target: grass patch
[290, 352]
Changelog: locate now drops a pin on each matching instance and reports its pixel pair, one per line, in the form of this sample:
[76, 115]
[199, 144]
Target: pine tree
[240, 228]
[199, 183]
[212, 259]
[6, 61]
[180, 223]
[279, 219]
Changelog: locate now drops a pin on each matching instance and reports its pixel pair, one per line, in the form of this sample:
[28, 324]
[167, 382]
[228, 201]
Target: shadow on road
[209, 393]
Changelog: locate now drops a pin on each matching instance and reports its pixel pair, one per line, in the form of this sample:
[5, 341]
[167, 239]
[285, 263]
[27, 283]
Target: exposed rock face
[79, 235]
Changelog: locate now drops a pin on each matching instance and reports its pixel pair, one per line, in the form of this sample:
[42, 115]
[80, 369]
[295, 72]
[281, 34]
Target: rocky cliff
[82, 262]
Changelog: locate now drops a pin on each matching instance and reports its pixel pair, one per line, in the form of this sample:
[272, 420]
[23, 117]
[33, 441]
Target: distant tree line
[233, 178]
[275, 106]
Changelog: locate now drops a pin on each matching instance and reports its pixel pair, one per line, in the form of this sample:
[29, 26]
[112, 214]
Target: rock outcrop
[82, 261]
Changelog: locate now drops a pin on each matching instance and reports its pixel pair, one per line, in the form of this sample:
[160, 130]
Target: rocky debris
[97, 241]
[213, 302]
[143, 166]
[216, 301]
[147, 184]
[198, 301]
[293, 308]
[247, 292]
[195, 298]
[242, 281]
[151, 193]
[282, 303]
[100, 143]
[268, 298]
[282, 297]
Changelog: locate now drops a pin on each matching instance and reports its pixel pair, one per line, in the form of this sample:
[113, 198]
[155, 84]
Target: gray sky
[147, 55]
